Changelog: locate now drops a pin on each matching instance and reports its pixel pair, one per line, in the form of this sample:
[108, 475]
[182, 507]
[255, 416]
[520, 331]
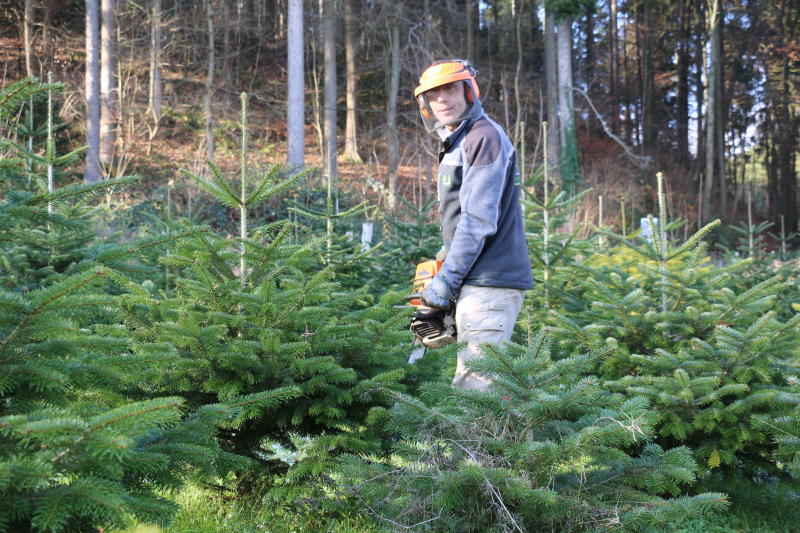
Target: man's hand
[439, 294]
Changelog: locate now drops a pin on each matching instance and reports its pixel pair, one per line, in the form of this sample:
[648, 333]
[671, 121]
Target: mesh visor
[430, 121]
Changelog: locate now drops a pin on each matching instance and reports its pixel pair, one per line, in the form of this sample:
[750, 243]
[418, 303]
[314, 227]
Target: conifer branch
[115, 252]
[17, 92]
[694, 240]
[69, 286]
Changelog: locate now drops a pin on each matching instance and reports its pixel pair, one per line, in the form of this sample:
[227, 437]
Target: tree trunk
[209, 82]
[28, 44]
[787, 124]
[566, 115]
[551, 82]
[393, 143]
[108, 82]
[682, 98]
[155, 63]
[92, 172]
[627, 106]
[470, 9]
[720, 113]
[648, 77]
[613, 84]
[518, 133]
[350, 48]
[329, 59]
[295, 112]
[698, 83]
[771, 165]
[226, 44]
[280, 20]
[26, 37]
[47, 37]
[711, 110]
[505, 96]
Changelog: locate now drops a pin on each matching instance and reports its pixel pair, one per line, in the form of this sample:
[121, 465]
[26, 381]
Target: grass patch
[765, 506]
[209, 511]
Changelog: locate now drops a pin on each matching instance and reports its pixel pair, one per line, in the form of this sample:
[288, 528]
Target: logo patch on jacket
[447, 179]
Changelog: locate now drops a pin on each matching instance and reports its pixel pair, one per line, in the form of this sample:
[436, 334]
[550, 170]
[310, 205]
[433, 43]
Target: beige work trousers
[483, 315]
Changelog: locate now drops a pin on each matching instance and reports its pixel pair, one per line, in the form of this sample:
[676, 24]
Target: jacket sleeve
[480, 196]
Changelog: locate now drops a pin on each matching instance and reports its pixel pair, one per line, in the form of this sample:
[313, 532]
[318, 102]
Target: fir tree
[784, 428]
[549, 448]
[260, 316]
[411, 236]
[83, 445]
[554, 252]
[711, 359]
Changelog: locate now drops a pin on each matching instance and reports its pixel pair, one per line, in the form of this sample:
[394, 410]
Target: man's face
[447, 102]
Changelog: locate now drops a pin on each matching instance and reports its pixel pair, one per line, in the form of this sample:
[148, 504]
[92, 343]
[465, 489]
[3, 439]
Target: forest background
[705, 91]
[213, 333]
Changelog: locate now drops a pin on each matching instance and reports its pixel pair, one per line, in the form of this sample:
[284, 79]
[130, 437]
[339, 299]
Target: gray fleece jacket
[478, 188]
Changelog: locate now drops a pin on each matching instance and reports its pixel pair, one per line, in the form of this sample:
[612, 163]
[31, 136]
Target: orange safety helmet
[441, 73]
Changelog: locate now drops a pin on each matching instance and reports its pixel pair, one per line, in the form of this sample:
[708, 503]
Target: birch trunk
[329, 59]
[28, 43]
[393, 143]
[350, 45]
[295, 112]
[92, 172]
[108, 82]
[154, 97]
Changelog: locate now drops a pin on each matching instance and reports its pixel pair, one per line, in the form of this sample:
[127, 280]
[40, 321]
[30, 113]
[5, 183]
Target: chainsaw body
[433, 328]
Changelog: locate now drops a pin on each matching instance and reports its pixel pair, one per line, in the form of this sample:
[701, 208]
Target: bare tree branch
[641, 161]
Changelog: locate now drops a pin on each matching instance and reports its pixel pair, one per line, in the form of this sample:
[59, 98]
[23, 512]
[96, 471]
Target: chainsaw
[432, 328]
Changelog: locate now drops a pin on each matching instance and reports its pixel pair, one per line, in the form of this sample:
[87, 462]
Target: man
[486, 269]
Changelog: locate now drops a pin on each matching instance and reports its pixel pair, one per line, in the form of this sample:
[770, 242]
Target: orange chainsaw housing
[425, 272]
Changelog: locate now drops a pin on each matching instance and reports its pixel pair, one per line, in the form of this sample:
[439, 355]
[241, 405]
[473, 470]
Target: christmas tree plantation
[550, 447]
[82, 443]
[261, 317]
[713, 358]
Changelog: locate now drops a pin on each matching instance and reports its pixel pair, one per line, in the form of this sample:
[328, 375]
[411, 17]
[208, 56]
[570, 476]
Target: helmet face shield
[429, 119]
[444, 73]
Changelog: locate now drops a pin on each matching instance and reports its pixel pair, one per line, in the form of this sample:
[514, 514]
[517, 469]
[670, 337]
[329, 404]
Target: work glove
[439, 294]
